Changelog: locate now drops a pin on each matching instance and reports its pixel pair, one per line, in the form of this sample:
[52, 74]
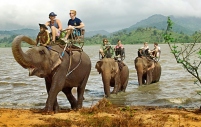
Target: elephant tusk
[31, 71]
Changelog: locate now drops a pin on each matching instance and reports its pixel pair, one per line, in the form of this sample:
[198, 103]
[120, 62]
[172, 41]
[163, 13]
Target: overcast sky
[109, 15]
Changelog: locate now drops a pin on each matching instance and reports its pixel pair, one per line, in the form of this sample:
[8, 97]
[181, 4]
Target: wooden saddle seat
[75, 38]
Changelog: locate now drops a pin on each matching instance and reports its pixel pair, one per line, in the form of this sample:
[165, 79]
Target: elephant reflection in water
[59, 75]
[148, 70]
[114, 74]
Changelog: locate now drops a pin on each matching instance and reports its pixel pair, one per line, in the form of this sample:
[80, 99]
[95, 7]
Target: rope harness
[69, 72]
[70, 59]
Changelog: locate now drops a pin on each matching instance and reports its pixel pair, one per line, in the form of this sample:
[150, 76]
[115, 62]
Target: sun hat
[43, 25]
[52, 14]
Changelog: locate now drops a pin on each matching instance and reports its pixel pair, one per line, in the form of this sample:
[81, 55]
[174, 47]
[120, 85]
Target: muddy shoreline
[103, 114]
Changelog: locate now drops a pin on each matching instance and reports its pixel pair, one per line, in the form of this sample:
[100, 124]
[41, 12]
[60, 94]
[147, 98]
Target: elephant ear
[56, 61]
[98, 66]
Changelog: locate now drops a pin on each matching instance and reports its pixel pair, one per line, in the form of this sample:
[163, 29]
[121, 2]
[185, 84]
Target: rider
[155, 52]
[144, 50]
[74, 25]
[105, 47]
[43, 38]
[118, 48]
[55, 26]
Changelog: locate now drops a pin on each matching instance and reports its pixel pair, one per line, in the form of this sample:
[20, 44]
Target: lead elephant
[148, 70]
[114, 74]
[59, 74]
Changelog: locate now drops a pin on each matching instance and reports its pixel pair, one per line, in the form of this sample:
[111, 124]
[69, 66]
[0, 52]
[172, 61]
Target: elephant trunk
[140, 77]
[106, 82]
[22, 58]
[139, 69]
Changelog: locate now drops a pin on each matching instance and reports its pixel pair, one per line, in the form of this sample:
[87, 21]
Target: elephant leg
[80, 92]
[51, 100]
[116, 88]
[143, 80]
[48, 86]
[70, 97]
[106, 83]
[140, 78]
[149, 77]
[117, 84]
[56, 106]
[56, 86]
[123, 88]
[107, 89]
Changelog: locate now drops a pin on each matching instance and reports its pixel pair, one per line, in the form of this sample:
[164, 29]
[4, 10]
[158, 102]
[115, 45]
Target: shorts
[58, 32]
[76, 32]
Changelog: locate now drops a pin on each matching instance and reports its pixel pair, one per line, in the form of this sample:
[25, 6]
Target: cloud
[110, 15]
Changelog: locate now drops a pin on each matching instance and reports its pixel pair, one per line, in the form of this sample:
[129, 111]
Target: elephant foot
[56, 109]
[48, 113]
[74, 106]
[113, 92]
[123, 90]
[79, 106]
[45, 111]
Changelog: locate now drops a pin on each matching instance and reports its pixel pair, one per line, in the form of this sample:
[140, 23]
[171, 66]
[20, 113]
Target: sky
[109, 15]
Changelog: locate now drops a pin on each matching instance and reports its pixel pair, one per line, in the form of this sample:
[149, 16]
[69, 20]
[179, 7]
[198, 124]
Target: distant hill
[33, 33]
[187, 25]
[27, 32]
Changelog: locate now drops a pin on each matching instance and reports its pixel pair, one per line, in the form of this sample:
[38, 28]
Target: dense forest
[7, 41]
[137, 36]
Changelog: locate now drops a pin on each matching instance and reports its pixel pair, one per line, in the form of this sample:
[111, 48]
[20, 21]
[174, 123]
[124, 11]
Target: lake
[175, 88]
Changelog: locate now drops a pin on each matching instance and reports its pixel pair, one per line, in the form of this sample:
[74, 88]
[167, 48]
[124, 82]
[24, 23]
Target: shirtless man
[43, 36]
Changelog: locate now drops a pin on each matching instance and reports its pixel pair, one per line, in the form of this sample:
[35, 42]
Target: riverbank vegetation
[138, 36]
[186, 54]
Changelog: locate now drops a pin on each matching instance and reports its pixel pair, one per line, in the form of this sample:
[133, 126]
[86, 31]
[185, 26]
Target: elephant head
[107, 66]
[38, 60]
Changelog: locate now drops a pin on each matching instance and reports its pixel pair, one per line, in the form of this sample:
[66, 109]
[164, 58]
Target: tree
[155, 32]
[186, 54]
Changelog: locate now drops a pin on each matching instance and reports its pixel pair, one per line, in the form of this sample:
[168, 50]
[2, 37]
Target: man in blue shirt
[74, 25]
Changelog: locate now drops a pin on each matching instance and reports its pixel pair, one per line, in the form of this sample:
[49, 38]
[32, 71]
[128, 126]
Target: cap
[52, 14]
[43, 25]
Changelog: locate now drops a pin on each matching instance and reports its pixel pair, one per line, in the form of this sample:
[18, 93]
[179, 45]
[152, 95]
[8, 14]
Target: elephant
[60, 74]
[148, 70]
[114, 74]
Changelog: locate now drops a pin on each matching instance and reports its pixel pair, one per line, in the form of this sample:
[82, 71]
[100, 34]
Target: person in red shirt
[118, 48]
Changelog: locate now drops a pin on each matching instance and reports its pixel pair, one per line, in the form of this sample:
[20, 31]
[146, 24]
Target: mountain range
[186, 25]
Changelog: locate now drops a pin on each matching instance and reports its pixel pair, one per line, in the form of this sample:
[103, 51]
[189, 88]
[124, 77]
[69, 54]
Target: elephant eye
[42, 52]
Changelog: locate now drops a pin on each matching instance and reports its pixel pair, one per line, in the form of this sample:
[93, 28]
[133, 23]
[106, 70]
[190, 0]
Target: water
[175, 88]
